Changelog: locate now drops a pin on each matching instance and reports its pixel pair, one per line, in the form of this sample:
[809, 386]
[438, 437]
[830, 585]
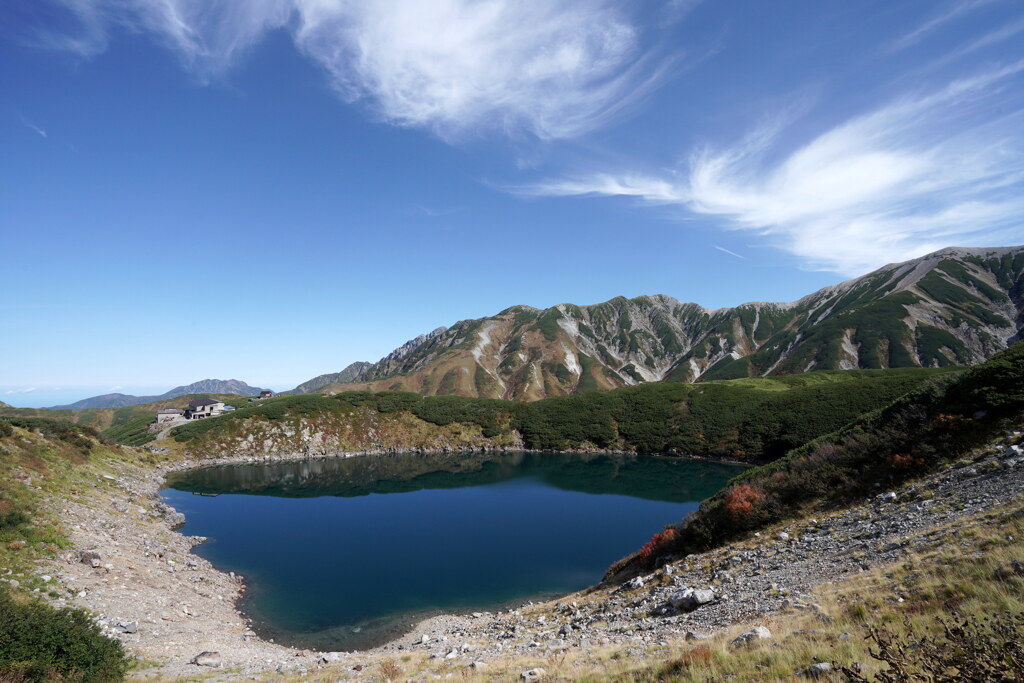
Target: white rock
[211, 659]
[751, 636]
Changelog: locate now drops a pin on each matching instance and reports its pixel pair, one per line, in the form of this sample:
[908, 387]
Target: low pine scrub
[40, 643]
[915, 435]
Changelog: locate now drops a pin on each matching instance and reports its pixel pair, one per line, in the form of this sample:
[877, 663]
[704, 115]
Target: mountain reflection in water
[346, 553]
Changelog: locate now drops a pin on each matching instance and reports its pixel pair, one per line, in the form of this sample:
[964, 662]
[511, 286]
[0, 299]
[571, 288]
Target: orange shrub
[649, 551]
[740, 502]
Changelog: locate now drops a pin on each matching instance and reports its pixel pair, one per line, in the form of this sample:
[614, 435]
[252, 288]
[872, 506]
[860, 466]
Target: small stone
[533, 675]
[889, 497]
[330, 657]
[128, 626]
[751, 636]
[478, 665]
[636, 582]
[693, 635]
[211, 659]
[819, 670]
[783, 536]
[424, 639]
[89, 557]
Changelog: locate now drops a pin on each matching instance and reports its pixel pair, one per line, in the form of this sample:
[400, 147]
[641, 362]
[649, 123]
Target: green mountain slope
[752, 419]
[957, 306]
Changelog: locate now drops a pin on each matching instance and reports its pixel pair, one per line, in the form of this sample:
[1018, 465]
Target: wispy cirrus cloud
[14, 392]
[33, 127]
[727, 251]
[950, 12]
[923, 172]
[555, 68]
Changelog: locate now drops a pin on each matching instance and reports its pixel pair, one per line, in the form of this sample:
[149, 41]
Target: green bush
[133, 432]
[941, 419]
[6, 429]
[40, 643]
[71, 434]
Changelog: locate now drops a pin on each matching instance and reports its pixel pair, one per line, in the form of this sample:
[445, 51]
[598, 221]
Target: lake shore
[167, 605]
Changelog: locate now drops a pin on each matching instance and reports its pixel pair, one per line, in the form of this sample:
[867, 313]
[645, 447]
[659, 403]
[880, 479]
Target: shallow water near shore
[347, 553]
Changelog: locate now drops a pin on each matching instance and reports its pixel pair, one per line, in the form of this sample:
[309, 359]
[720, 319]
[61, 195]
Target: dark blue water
[342, 554]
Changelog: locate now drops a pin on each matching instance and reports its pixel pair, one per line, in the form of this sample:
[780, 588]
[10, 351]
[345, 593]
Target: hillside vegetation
[916, 434]
[127, 425]
[40, 459]
[750, 419]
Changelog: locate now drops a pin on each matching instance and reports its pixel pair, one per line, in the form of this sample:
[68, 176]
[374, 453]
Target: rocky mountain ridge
[205, 386]
[956, 306]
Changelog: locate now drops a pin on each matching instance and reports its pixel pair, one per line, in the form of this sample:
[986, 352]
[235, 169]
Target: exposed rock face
[957, 306]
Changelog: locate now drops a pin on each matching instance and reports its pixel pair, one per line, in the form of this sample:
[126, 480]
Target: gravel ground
[168, 605]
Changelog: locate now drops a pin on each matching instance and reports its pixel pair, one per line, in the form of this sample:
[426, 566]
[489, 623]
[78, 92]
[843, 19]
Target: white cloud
[726, 251]
[116, 387]
[921, 173]
[33, 127]
[555, 68]
[952, 11]
[12, 392]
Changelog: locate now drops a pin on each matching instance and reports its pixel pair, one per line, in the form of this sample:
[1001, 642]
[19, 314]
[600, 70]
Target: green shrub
[6, 429]
[40, 643]
[71, 434]
[941, 419]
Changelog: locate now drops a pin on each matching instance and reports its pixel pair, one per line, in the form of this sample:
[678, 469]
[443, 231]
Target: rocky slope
[956, 306]
[349, 374]
[205, 386]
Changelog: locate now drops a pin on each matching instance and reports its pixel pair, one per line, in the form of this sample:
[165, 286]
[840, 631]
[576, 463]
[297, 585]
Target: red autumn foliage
[740, 502]
[904, 462]
[649, 551]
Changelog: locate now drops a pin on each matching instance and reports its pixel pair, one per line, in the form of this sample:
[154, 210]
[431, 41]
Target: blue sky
[271, 189]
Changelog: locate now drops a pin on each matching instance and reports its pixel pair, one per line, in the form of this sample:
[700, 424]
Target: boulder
[636, 582]
[690, 599]
[211, 659]
[330, 657]
[533, 675]
[752, 636]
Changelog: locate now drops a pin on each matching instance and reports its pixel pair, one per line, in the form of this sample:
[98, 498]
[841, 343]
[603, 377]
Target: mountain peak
[204, 386]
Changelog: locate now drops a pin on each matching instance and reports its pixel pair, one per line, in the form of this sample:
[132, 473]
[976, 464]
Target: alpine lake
[349, 553]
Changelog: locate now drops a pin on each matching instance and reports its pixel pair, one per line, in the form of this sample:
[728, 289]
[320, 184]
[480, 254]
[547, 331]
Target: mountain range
[956, 306]
[205, 386]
